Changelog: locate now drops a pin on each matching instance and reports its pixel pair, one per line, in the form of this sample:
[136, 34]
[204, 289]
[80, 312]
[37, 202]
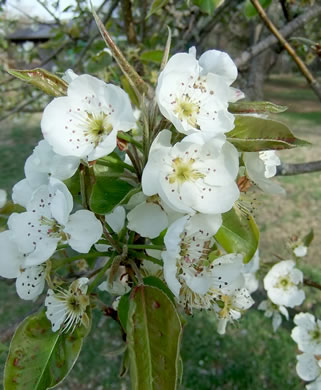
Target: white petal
[276, 321]
[220, 63]
[147, 219]
[11, 258]
[30, 282]
[116, 219]
[170, 270]
[22, 192]
[84, 230]
[307, 367]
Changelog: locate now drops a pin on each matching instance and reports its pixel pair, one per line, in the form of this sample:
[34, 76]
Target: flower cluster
[189, 175]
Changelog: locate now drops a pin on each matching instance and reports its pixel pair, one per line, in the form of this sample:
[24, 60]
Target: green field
[250, 356]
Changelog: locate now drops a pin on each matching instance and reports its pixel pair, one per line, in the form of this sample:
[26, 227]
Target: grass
[250, 356]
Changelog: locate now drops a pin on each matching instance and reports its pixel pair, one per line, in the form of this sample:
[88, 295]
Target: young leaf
[42, 79]
[238, 234]
[107, 193]
[38, 358]
[250, 10]
[208, 6]
[256, 108]
[307, 239]
[153, 336]
[133, 77]
[252, 134]
[156, 5]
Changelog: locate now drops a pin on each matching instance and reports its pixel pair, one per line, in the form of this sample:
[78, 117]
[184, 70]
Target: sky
[34, 9]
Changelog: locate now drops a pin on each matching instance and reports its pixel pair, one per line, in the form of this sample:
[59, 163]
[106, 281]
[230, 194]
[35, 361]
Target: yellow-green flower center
[284, 282]
[184, 171]
[187, 110]
[98, 126]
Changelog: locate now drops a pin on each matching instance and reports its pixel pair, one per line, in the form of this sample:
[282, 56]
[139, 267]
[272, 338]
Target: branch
[271, 40]
[296, 169]
[314, 84]
[128, 20]
[311, 283]
[20, 107]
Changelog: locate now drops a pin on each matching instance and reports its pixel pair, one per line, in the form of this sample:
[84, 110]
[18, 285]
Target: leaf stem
[101, 274]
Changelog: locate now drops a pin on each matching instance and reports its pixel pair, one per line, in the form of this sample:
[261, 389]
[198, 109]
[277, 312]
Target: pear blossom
[194, 94]
[281, 284]
[30, 281]
[119, 285]
[191, 177]
[85, 123]
[3, 198]
[260, 167]
[151, 217]
[309, 369]
[189, 272]
[66, 309]
[300, 250]
[48, 222]
[39, 167]
[274, 311]
[307, 333]
[230, 307]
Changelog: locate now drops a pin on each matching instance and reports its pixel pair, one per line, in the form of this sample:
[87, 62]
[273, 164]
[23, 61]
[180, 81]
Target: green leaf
[156, 282]
[207, 6]
[153, 336]
[42, 79]
[122, 310]
[250, 10]
[256, 108]
[107, 193]
[238, 234]
[252, 134]
[307, 239]
[156, 5]
[152, 56]
[39, 358]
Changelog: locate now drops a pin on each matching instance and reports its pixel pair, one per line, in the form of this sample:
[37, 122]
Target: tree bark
[271, 40]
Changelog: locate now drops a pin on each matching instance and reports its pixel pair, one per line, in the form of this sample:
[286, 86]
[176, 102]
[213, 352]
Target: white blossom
[48, 222]
[260, 167]
[119, 285]
[30, 281]
[43, 164]
[281, 283]
[194, 95]
[191, 177]
[274, 311]
[300, 250]
[307, 333]
[85, 123]
[66, 309]
[195, 279]
[230, 307]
